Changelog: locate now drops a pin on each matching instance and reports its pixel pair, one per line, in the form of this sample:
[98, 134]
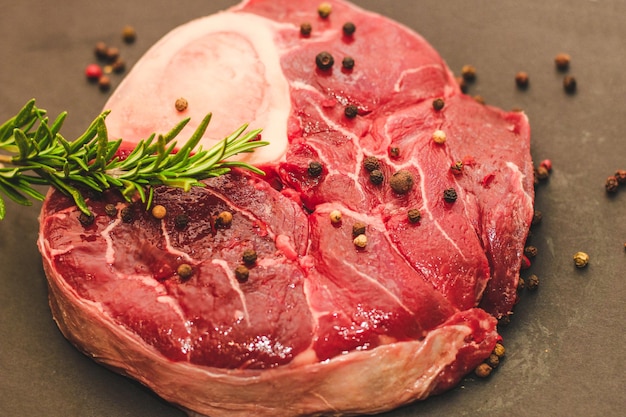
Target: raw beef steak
[279, 311]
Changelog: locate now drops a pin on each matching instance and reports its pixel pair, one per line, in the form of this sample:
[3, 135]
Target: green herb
[33, 152]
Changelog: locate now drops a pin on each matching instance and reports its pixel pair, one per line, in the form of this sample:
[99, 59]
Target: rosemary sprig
[33, 153]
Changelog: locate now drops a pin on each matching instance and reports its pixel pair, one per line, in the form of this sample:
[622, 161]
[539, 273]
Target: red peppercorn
[525, 262]
[93, 72]
[547, 164]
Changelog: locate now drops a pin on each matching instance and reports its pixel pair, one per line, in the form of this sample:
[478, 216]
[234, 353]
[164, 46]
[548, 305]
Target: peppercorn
[127, 215]
[468, 72]
[181, 104]
[457, 168]
[530, 251]
[438, 104]
[335, 217]
[351, 111]
[315, 169]
[449, 195]
[525, 262]
[224, 219]
[499, 350]
[306, 29]
[371, 163]
[569, 84]
[611, 184]
[112, 53]
[324, 61]
[100, 50]
[521, 284]
[483, 370]
[360, 241]
[93, 72]
[581, 259]
[104, 83]
[620, 175]
[159, 211]
[394, 152]
[324, 10]
[110, 210]
[242, 273]
[562, 61]
[542, 173]
[86, 219]
[462, 84]
[118, 66]
[537, 216]
[493, 360]
[547, 164]
[181, 221]
[348, 28]
[401, 182]
[439, 136]
[521, 80]
[358, 228]
[414, 215]
[249, 256]
[532, 282]
[377, 177]
[129, 34]
[184, 271]
[347, 63]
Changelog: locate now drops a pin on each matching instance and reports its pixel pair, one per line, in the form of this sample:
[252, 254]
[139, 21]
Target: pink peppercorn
[547, 164]
[93, 72]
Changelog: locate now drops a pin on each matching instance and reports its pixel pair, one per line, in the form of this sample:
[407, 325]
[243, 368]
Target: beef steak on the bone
[319, 325]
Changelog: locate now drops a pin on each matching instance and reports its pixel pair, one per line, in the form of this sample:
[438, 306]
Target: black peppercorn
[181, 221]
[376, 177]
[562, 61]
[532, 282]
[358, 228]
[493, 360]
[347, 63]
[371, 163]
[249, 256]
[414, 215]
[86, 219]
[306, 29]
[401, 182]
[129, 34]
[449, 195]
[438, 104]
[110, 210]
[611, 185]
[242, 273]
[315, 169]
[569, 84]
[530, 251]
[100, 50]
[127, 215]
[521, 80]
[324, 61]
[351, 111]
[620, 175]
[348, 28]
[537, 216]
[468, 72]
[394, 152]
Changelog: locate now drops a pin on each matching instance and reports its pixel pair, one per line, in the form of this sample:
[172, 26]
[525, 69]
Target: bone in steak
[318, 325]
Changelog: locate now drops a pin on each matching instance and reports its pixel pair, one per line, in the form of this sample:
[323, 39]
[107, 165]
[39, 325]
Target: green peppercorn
[483, 370]
[315, 169]
[224, 219]
[129, 35]
[347, 63]
[159, 211]
[110, 210]
[348, 28]
[184, 271]
[351, 111]
[449, 195]
[358, 228]
[581, 259]
[324, 61]
[438, 104]
[414, 215]
[324, 10]
[377, 177]
[499, 350]
[401, 182]
[306, 29]
[242, 273]
[86, 219]
[360, 241]
[127, 215]
[249, 256]
[371, 163]
[181, 221]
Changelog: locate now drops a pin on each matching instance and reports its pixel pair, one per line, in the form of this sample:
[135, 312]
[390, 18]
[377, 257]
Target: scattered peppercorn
[401, 182]
[159, 211]
[562, 61]
[493, 360]
[438, 104]
[118, 66]
[522, 80]
[347, 63]
[468, 72]
[581, 259]
[457, 168]
[315, 169]
[358, 228]
[449, 195]
[377, 177]
[306, 29]
[129, 35]
[483, 370]
[100, 50]
[242, 273]
[86, 219]
[360, 241]
[335, 217]
[351, 111]
[414, 215]
[104, 83]
[547, 164]
[542, 173]
[181, 221]
[181, 104]
[521, 284]
[224, 219]
[611, 185]
[185, 271]
[569, 84]
[127, 215]
[348, 28]
[249, 257]
[110, 210]
[324, 61]
[537, 217]
[439, 136]
[324, 10]
[462, 84]
[530, 251]
[620, 174]
[532, 282]
[112, 53]
[371, 163]
[499, 350]
[93, 72]
[394, 152]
